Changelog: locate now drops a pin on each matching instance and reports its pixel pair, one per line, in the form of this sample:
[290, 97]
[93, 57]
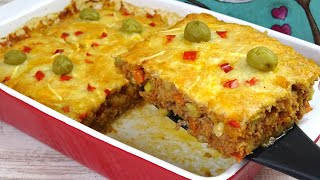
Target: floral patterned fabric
[286, 16]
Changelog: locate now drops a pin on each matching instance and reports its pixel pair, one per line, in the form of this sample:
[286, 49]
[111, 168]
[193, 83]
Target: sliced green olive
[197, 31]
[89, 14]
[147, 87]
[118, 61]
[262, 58]
[131, 26]
[62, 65]
[14, 57]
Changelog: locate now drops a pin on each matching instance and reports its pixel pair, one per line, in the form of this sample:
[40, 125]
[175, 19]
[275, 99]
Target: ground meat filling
[113, 107]
[272, 122]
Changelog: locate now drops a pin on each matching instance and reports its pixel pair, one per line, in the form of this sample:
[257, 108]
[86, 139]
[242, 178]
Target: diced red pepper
[66, 109]
[170, 38]
[88, 61]
[82, 116]
[78, 33]
[222, 34]
[107, 92]
[65, 78]
[7, 78]
[26, 49]
[138, 76]
[90, 88]
[149, 16]
[64, 36]
[103, 35]
[152, 24]
[234, 123]
[252, 81]
[58, 51]
[95, 45]
[226, 67]
[231, 84]
[88, 54]
[190, 55]
[39, 75]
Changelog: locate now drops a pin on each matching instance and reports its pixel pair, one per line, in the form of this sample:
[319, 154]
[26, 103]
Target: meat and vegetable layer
[66, 60]
[234, 86]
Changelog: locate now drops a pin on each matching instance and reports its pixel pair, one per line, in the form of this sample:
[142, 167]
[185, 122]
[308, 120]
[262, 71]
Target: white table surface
[22, 157]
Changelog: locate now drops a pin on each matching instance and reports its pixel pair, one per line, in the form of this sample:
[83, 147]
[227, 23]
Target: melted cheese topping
[91, 54]
[202, 79]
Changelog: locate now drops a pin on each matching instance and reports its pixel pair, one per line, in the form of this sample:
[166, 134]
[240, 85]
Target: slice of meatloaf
[227, 102]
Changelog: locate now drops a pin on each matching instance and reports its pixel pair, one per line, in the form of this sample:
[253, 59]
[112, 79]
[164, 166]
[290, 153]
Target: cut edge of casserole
[233, 120]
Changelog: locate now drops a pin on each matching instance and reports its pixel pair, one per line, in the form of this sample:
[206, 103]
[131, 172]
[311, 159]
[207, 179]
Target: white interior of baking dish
[16, 13]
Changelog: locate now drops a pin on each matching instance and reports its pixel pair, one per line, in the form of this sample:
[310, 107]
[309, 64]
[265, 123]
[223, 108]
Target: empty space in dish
[161, 138]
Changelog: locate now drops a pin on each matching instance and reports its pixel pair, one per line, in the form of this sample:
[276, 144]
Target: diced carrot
[138, 76]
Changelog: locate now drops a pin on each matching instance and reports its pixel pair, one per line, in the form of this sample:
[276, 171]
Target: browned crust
[234, 142]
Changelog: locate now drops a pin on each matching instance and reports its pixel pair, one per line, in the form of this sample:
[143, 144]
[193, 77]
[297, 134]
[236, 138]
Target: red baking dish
[97, 151]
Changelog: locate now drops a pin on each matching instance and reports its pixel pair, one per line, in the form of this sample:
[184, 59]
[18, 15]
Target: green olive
[14, 57]
[262, 58]
[62, 65]
[131, 26]
[118, 61]
[197, 31]
[89, 14]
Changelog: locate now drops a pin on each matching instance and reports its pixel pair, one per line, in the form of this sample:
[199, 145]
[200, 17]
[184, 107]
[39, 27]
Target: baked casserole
[66, 60]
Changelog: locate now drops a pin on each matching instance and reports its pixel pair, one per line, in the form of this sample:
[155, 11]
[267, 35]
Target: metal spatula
[294, 154]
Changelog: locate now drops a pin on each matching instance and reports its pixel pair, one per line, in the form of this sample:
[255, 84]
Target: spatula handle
[294, 154]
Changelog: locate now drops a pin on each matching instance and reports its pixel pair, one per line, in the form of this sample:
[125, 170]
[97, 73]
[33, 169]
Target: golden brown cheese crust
[91, 45]
[202, 80]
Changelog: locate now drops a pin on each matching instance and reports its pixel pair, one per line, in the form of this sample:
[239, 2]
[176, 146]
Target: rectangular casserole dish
[116, 160]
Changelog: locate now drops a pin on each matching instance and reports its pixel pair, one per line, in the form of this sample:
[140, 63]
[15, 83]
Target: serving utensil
[294, 154]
